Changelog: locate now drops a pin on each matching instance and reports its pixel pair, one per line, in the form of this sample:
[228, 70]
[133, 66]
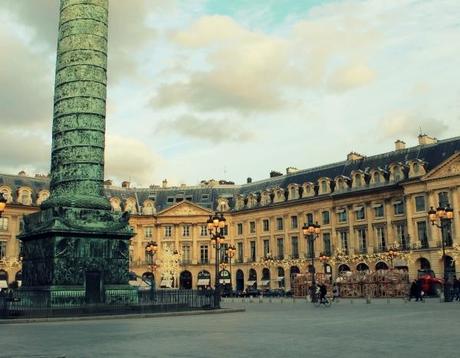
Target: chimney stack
[424, 139]
[399, 144]
[125, 184]
[249, 180]
[164, 183]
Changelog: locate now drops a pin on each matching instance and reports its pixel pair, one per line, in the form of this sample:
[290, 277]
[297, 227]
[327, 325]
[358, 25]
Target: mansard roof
[206, 196]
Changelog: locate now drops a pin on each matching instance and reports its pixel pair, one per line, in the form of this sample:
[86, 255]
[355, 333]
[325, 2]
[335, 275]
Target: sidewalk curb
[125, 316]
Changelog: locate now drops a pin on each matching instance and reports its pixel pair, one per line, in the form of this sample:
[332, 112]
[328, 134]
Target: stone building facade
[365, 206]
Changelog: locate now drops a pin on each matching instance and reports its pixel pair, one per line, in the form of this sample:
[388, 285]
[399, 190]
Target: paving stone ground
[391, 328]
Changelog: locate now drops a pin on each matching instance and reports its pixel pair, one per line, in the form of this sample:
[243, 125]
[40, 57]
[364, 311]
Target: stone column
[77, 155]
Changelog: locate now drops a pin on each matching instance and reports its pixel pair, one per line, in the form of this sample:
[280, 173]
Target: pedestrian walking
[457, 289]
[413, 290]
[419, 292]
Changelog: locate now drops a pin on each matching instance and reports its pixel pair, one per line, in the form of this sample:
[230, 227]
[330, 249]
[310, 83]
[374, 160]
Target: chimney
[290, 170]
[183, 185]
[22, 173]
[424, 139]
[108, 182]
[125, 184]
[354, 156]
[249, 180]
[400, 145]
[164, 183]
[274, 174]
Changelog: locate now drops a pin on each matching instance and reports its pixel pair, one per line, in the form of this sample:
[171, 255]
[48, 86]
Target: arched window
[376, 178]
[6, 191]
[25, 196]
[148, 208]
[42, 196]
[115, 202]
[131, 206]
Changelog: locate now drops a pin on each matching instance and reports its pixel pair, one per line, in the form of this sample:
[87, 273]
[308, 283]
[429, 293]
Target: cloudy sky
[233, 89]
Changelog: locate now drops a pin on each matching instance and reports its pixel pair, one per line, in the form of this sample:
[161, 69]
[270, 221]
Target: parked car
[430, 284]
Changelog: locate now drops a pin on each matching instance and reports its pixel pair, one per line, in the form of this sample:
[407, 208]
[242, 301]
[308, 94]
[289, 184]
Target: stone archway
[381, 266]
[265, 282]
[240, 280]
[343, 268]
[185, 280]
[281, 280]
[252, 279]
[423, 264]
[362, 267]
[3, 279]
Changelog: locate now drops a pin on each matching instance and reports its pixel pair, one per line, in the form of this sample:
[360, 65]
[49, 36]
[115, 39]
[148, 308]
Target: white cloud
[130, 159]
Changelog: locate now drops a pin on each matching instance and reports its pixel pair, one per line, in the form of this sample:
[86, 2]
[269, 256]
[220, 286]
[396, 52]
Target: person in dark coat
[457, 289]
[418, 291]
[413, 290]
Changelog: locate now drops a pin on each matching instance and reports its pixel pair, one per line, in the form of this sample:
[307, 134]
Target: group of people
[416, 291]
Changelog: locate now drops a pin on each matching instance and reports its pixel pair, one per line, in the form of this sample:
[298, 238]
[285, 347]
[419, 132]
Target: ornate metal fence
[27, 304]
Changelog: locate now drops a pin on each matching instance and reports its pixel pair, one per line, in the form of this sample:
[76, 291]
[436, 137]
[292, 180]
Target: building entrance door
[93, 287]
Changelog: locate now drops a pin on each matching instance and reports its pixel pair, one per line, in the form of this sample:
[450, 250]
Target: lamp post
[392, 254]
[151, 249]
[311, 232]
[2, 203]
[445, 216]
[324, 259]
[216, 226]
[231, 250]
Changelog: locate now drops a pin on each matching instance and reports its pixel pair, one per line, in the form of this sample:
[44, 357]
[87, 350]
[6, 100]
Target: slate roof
[431, 154]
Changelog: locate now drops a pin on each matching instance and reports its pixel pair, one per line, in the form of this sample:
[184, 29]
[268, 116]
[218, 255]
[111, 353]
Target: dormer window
[376, 178]
[324, 186]
[358, 181]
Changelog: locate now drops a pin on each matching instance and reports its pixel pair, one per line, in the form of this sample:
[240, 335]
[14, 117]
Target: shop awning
[203, 282]
[280, 278]
[358, 208]
[250, 283]
[19, 283]
[224, 280]
[3, 284]
[166, 283]
[264, 282]
[379, 205]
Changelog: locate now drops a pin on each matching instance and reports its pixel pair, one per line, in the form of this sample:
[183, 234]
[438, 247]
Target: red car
[430, 284]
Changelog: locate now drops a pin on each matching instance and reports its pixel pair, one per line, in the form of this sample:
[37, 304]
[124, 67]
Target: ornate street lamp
[2, 203]
[445, 216]
[231, 250]
[216, 228]
[393, 252]
[324, 259]
[311, 232]
[151, 249]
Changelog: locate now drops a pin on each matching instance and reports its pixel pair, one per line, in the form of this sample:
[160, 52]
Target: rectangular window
[204, 197]
[420, 203]
[398, 207]
[310, 247]
[379, 211]
[148, 230]
[3, 224]
[170, 199]
[422, 234]
[360, 213]
[344, 241]
[362, 241]
[266, 248]
[294, 223]
[186, 256]
[381, 240]
[327, 244]
[342, 216]
[279, 223]
[239, 255]
[443, 198]
[2, 249]
[280, 247]
[325, 217]
[294, 247]
[239, 229]
[204, 258]
[168, 231]
[186, 231]
[401, 236]
[204, 230]
[253, 250]
[266, 225]
[224, 253]
[252, 227]
[225, 230]
[309, 218]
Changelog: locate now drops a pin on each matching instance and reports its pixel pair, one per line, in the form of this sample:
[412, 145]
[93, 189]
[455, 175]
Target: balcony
[186, 261]
[204, 261]
[361, 251]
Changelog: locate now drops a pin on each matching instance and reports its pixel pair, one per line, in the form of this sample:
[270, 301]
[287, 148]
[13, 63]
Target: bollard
[269, 300]
[260, 299]
[351, 301]
[368, 299]
[281, 300]
[388, 300]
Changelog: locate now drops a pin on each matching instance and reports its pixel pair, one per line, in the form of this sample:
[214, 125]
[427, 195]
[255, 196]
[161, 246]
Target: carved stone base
[77, 254]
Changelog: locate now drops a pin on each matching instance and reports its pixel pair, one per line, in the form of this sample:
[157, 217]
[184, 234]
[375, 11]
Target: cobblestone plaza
[347, 329]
